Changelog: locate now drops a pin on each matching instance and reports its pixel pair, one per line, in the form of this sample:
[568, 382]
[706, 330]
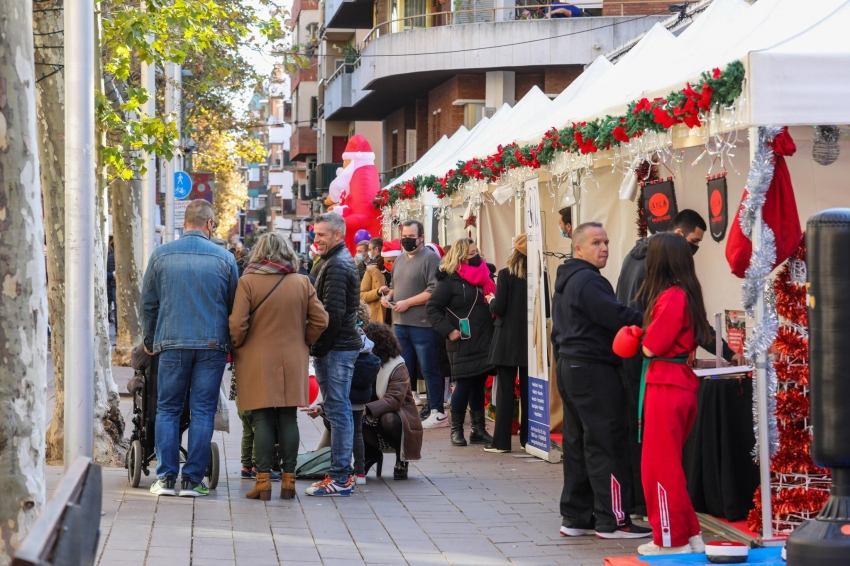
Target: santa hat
[391, 249]
[436, 248]
[358, 147]
[314, 249]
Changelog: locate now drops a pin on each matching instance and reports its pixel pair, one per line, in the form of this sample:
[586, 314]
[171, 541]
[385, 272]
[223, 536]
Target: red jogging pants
[668, 416]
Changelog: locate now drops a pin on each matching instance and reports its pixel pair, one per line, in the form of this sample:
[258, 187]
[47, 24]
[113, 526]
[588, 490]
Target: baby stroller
[142, 450]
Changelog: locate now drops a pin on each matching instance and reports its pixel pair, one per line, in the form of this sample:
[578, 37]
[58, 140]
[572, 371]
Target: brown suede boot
[287, 486]
[262, 489]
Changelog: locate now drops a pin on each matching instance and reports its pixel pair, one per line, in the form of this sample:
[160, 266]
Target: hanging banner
[659, 202]
[539, 442]
[717, 206]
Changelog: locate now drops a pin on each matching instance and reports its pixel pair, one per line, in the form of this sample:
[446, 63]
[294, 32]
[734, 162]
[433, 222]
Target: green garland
[715, 90]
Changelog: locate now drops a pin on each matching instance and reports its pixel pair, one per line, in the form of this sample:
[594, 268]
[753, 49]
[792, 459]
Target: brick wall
[422, 116]
[302, 143]
[449, 118]
[305, 74]
[382, 15]
[558, 79]
[523, 84]
[299, 5]
[401, 120]
[615, 8]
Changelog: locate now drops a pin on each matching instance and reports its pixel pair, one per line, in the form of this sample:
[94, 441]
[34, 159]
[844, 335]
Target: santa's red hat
[358, 147]
[436, 248]
[391, 248]
[314, 248]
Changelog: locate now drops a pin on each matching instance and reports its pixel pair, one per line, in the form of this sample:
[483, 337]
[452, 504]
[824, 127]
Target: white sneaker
[360, 479]
[652, 549]
[573, 532]
[436, 420]
[417, 399]
[697, 544]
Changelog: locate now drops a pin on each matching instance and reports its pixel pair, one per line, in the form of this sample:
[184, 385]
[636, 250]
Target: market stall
[694, 107]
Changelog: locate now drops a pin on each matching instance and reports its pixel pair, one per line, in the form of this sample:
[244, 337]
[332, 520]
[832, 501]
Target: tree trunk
[51, 147]
[109, 442]
[127, 231]
[23, 322]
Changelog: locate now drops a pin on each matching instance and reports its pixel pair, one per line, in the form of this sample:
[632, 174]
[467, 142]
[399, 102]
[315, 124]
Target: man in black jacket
[334, 353]
[585, 317]
[691, 226]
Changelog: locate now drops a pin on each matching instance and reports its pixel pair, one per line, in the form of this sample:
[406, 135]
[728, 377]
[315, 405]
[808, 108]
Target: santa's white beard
[339, 187]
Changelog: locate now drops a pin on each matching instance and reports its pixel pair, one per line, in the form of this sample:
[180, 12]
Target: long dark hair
[669, 262]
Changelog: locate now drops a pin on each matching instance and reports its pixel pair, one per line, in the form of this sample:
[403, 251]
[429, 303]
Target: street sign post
[182, 184]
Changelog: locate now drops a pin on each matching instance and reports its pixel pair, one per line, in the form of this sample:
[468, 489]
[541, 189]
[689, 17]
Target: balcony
[397, 64]
[325, 174]
[349, 14]
[337, 91]
[302, 143]
[305, 74]
[299, 5]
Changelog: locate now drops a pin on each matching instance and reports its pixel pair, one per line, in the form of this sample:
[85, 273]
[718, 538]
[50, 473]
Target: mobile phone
[463, 325]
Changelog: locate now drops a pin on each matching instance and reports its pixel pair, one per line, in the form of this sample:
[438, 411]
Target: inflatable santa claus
[352, 192]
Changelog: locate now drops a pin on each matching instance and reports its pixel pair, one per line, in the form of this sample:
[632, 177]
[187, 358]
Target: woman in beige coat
[276, 315]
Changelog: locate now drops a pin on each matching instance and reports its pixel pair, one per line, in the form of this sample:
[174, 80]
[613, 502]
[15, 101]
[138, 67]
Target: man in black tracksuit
[585, 317]
[690, 225]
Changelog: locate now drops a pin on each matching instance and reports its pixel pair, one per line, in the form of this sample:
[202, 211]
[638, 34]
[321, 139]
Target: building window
[472, 113]
[415, 8]
[314, 111]
[410, 146]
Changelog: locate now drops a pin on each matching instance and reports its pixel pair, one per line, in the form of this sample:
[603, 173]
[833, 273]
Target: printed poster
[539, 442]
[736, 330]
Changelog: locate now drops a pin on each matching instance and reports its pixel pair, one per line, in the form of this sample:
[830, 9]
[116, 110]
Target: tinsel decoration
[644, 172]
[825, 148]
[799, 487]
[756, 276]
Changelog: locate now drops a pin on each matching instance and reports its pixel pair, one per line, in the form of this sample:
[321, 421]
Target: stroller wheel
[212, 469]
[133, 463]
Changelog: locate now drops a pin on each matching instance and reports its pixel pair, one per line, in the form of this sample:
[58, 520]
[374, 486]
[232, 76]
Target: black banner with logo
[718, 216]
[659, 203]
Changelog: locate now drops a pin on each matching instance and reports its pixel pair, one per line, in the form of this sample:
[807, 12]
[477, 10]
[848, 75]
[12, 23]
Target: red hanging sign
[718, 215]
[659, 203]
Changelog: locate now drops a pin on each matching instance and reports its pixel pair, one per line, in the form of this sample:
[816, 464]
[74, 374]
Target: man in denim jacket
[186, 301]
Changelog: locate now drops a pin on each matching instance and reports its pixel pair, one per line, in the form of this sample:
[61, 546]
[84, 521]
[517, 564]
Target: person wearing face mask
[458, 311]
[373, 281]
[361, 259]
[413, 281]
[565, 222]
[187, 325]
[690, 225]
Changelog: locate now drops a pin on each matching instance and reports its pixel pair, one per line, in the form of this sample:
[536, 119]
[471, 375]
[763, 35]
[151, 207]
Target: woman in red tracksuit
[675, 323]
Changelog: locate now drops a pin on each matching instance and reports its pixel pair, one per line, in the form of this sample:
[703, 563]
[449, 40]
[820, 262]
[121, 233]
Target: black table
[722, 476]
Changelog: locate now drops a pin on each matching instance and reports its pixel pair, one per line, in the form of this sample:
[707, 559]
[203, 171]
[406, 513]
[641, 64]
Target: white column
[500, 87]
[148, 81]
[80, 218]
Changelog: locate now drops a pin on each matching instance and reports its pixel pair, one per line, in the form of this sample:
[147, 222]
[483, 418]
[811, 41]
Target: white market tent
[797, 63]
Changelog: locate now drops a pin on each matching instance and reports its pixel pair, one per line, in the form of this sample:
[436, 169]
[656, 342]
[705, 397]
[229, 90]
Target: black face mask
[694, 248]
[409, 244]
[474, 261]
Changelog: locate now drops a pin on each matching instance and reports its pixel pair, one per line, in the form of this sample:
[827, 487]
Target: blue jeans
[422, 344]
[198, 374]
[333, 373]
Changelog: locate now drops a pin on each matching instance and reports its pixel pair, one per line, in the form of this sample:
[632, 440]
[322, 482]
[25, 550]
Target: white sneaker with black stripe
[436, 420]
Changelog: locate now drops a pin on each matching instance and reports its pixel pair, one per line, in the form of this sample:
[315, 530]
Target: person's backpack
[313, 465]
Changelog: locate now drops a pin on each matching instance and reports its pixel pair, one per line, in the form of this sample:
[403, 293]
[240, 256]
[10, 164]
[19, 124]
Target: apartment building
[424, 68]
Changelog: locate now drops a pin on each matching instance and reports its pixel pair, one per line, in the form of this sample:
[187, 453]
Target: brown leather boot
[287, 486]
[262, 489]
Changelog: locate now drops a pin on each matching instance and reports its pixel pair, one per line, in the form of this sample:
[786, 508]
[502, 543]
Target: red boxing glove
[627, 341]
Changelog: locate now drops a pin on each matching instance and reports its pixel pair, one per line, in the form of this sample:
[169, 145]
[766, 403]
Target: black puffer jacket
[468, 357]
[338, 287]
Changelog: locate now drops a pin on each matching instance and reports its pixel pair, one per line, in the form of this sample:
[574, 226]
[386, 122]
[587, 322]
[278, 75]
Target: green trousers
[247, 439]
[285, 420]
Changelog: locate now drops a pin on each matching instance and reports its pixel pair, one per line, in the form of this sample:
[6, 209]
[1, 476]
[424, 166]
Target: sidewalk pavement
[460, 506]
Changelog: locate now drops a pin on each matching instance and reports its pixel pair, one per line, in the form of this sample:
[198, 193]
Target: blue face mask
[359, 257]
[563, 234]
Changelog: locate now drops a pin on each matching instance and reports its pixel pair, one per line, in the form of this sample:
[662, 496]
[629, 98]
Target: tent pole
[761, 387]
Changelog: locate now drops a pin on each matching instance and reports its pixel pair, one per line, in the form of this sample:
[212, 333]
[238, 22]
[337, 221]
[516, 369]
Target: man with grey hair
[186, 300]
[585, 317]
[336, 350]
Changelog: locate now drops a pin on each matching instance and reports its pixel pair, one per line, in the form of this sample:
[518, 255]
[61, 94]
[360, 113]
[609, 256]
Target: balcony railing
[387, 176]
[491, 14]
[325, 174]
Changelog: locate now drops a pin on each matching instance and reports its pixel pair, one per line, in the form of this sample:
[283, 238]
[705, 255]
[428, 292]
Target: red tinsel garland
[793, 499]
[646, 171]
